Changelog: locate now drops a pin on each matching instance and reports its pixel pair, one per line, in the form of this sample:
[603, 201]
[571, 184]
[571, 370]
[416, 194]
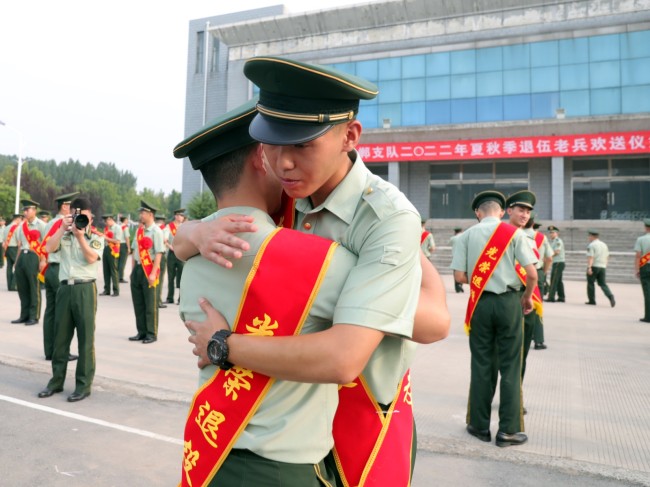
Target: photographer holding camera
[76, 300]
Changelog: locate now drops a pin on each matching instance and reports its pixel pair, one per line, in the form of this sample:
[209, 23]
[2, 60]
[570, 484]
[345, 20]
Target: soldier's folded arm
[432, 318]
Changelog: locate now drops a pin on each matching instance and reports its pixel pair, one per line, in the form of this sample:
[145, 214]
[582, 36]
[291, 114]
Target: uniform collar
[256, 213]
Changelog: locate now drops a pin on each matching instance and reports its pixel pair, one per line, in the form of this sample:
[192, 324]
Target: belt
[72, 282]
[53, 263]
[26, 251]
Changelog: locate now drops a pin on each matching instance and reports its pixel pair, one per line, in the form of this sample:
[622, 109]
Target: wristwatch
[218, 349]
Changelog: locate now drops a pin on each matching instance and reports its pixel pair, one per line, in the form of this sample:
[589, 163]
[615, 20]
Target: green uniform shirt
[428, 245]
[642, 244]
[470, 245]
[53, 257]
[117, 232]
[37, 224]
[599, 251]
[13, 241]
[3, 233]
[154, 232]
[557, 244]
[383, 229]
[73, 263]
[545, 250]
[124, 233]
[294, 422]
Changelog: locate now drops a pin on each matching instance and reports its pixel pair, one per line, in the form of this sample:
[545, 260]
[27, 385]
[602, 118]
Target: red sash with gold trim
[425, 234]
[144, 244]
[644, 260]
[371, 448]
[172, 229]
[34, 242]
[115, 247]
[489, 259]
[52, 231]
[11, 232]
[539, 239]
[537, 295]
[222, 408]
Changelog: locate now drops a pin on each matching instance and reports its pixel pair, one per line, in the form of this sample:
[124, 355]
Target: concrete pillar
[393, 173]
[557, 188]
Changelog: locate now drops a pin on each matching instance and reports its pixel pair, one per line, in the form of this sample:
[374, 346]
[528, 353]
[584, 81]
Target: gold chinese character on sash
[522, 271]
[208, 421]
[473, 295]
[237, 380]
[477, 280]
[408, 398]
[349, 385]
[484, 267]
[190, 458]
[491, 252]
[262, 327]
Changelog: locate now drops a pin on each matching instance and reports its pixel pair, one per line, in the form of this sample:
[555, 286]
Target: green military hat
[17, 215]
[224, 134]
[523, 198]
[489, 195]
[536, 226]
[458, 229]
[160, 216]
[144, 206]
[553, 228]
[180, 211]
[44, 213]
[300, 102]
[646, 222]
[593, 232]
[29, 204]
[108, 215]
[66, 199]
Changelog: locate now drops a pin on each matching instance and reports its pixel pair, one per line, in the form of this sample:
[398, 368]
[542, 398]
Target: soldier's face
[519, 215]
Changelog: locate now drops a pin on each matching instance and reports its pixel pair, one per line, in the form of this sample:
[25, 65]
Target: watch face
[215, 352]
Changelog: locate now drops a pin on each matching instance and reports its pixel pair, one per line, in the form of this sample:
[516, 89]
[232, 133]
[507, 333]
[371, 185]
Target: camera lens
[80, 221]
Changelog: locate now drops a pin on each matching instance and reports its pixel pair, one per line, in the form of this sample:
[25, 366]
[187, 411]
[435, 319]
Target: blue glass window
[438, 88]
[368, 70]
[368, 116]
[413, 67]
[544, 104]
[575, 103]
[489, 59]
[413, 113]
[463, 86]
[392, 111]
[516, 107]
[544, 54]
[390, 68]
[545, 79]
[438, 112]
[604, 48]
[516, 56]
[635, 44]
[413, 90]
[489, 84]
[636, 71]
[463, 61]
[516, 81]
[605, 74]
[574, 77]
[345, 67]
[463, 111]
[606, 101]
[390, 91]
[636, 99]
[438, 64]
[574, 51]
[489, 109]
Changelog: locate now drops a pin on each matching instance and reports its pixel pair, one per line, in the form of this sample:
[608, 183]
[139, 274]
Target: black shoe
[48, 392]
[549, 300]
[612, 301]
[540, 346]
[19, 320]
[170, 301]
[590, 303]
[115, 295]
[162, 305]
[48, 358]
[72, 357]
[78, 396]
[644, 320]
[560, 301]
[31, 322]
[122, 281]
[137, 338]
[483, 435]
[514, 439]
[149, 340]
[105, 293]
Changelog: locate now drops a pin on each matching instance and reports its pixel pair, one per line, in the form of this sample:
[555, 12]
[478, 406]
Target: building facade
[551, 96]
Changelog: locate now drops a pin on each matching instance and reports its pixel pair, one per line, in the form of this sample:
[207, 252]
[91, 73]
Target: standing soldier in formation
[597, 257]
[76, 306]
[160, 221]
[147, 250]
[485, 257]
[50, 272]
[44, 216]
[29, 235]
[125, 248]
[427, 243]
[545, 256]
[642, 267]
[11, 250]
[557, 285]
[174, 265]
[112, 240]
[3, 235]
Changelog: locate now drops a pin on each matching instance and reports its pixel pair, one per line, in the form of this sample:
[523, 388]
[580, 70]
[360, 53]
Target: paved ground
[587, 395]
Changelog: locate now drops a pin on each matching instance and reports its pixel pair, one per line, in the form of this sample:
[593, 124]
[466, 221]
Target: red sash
[223, 406]
[425, 234]
[537, 295]
[485, 265]
[172, 229]
[52, 231]
[539, 239]
[115, 247]
[382, 454]
[10, 234]
[34, 243]
[144, 244]
[644, 260]
[286, 215]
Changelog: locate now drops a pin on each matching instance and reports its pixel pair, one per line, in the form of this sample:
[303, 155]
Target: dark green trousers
[145, 303]
[110, 272]
[49, 317]
[2, 255]
[598, 275]
[532, 323]
[557, 285]
[538, 327]
[243, 468]
[76, 308]
[121, 262]
[644, 274]
[11, 261]
[163, 272]
[174, 273]
[29, 289]
[496, 335]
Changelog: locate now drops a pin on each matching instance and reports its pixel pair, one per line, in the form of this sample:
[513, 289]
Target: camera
[80, 220]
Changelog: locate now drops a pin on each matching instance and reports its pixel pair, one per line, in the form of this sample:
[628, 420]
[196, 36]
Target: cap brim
[276, 132]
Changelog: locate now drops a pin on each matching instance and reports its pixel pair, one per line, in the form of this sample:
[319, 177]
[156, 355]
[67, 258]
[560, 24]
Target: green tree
[202, 205]
[7, 200]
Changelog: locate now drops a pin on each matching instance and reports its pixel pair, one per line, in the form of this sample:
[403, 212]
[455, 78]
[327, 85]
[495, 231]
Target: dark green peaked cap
[553, 228]
[44, 213]
[593, 232]
[300, 102]
[224, 134]
[66, 198]
[144, 206]
[107, 216]
[646, 222]
[489, 195]
[522, 198]
[29, 204]
[180, 211]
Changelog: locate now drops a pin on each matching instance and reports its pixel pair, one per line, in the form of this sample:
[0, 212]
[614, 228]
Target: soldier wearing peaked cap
[557, 270]
[642, 267]
[307, 122]
[29, 235]
[49, 270]
[147, 248]
[3, 235]
[597, 257]
[458, 286]
[125, 248]
[161, 222]
[112, 238]
[485, 257]
[44, 215]
[10, 246]
[174, 265]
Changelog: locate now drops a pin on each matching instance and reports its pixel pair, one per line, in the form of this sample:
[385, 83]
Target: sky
[104, 81]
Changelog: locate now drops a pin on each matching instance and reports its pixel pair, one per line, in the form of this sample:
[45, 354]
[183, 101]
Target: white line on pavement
[87, 419]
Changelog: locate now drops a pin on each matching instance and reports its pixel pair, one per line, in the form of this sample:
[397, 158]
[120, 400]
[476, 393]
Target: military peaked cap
[180, 211]
[523, 198]
[553, 228]
[66, 198]
[107, 216]
[144, 206]
[29, 204]
[593, 232]
[489, 195]
[44, 213]
[646, 222]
